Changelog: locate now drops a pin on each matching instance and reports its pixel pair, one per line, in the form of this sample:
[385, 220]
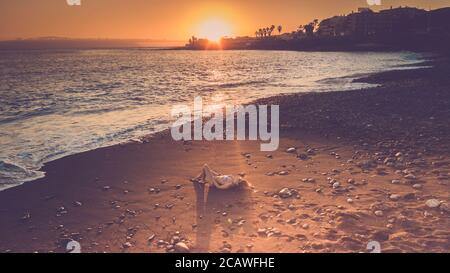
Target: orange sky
[168, 19]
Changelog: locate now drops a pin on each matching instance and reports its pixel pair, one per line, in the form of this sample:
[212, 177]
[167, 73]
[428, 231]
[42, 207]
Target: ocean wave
[14, 174]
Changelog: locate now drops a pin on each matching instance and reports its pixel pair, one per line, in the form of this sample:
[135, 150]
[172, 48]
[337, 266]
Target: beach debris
[181, 247]
[433, 203]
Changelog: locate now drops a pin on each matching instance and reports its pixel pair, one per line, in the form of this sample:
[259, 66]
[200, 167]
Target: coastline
[103, 198]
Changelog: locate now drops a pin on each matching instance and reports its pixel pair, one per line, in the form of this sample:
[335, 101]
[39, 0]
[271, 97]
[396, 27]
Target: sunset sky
[170, 19]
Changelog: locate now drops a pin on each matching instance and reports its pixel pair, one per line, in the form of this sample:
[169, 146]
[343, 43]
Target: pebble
[291, 150]
[410, 177]
[349, 200]
[336, 185]
[283, 173]
[127, 245]
[378, 213]
[285, 193]
[433, 203]
[417, 186]
[395, 181]
[445, 207]
[394, 197]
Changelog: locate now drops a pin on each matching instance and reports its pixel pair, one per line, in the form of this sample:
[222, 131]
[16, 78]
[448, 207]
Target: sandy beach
[369, 165]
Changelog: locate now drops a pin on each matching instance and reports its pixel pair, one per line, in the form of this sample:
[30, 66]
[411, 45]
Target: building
[366, 23]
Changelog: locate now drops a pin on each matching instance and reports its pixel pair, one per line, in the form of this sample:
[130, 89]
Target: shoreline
[35, 169]
[103, 197]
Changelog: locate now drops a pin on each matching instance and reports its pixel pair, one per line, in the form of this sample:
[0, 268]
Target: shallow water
[57, 103]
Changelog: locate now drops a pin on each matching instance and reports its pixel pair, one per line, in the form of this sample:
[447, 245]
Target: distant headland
[402, 28]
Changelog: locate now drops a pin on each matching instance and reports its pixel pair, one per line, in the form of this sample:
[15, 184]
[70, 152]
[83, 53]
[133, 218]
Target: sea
[55, 103]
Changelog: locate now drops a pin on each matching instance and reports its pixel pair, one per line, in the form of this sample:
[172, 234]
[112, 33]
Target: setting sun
[214, 29]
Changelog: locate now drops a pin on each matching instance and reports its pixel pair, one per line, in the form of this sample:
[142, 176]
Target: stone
[379, 213]
[291, 150]
[151, 237]
[433, 203]
[381, 236]
[445, 207]
[336, 185]
[410, 177]
[283, 173]
[349, 200]
[394, 197]
[417, 186]
[127, 245]
[395, 181]
[285, 193]
[262, 231]
[181, 247]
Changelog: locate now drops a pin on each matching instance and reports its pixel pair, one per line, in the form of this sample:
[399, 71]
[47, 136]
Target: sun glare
[214, 30]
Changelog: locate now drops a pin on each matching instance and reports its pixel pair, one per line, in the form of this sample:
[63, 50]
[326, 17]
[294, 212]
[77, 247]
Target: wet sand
[369, 165]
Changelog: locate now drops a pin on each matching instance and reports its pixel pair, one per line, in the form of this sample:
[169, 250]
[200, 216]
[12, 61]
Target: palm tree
[309, 28]
[272, 28]
[280, 28]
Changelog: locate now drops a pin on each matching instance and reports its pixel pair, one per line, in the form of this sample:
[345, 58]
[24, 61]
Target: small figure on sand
[209, 178]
